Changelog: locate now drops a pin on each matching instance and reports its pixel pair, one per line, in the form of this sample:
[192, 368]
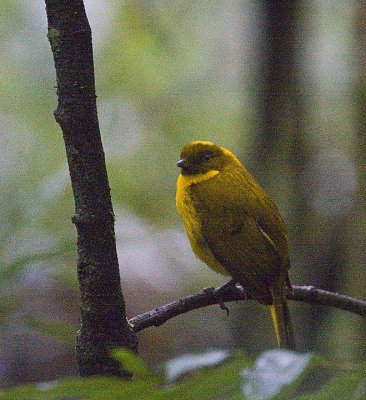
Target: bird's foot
[224, 307]
[220, 291]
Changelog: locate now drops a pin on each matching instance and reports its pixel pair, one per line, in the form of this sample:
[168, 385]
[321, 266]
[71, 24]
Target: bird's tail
[282, 320]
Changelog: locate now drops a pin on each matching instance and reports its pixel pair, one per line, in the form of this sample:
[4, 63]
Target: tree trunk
[103, 320]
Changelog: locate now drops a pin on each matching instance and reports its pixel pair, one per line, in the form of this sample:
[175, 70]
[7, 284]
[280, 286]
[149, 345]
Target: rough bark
[228, 293]
[103, 320]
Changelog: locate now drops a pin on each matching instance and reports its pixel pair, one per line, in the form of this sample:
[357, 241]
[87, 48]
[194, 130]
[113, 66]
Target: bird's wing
[243, 230]
[245, 250]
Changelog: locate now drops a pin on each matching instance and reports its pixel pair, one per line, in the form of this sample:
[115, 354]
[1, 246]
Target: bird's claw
[219, 293]
[224, 307]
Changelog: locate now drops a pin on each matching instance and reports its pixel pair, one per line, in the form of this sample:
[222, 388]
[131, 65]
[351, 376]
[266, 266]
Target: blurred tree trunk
[280, 150]
[282, 160]
[284, 163]
[279, 106]
[358, 245]
[353, 333]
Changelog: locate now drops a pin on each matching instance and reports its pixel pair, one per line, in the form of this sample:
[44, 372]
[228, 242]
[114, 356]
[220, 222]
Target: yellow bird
[235, 228]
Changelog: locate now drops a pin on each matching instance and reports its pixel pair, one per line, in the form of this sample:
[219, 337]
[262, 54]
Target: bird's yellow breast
[191, 220]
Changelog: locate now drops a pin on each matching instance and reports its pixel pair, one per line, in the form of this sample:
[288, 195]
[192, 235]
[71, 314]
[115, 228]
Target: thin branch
[103, 318]
[210, 296]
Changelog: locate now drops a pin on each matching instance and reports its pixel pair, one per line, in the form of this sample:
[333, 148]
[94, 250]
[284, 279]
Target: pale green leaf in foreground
[191, 362]
[273, 371]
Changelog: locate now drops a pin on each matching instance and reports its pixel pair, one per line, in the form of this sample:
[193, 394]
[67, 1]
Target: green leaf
[346, 387]
[104, 388]
[276, 375]
[95, 388]
[132, 362]
[219, 382]
[179, 366]
[276, 372]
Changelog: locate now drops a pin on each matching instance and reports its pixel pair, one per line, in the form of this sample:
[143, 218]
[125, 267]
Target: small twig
[210, 296]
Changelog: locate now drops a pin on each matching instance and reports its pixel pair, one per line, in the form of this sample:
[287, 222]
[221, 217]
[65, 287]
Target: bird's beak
[182, 164]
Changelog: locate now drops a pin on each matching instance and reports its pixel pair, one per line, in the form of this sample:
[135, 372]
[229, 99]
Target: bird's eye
[206, 156]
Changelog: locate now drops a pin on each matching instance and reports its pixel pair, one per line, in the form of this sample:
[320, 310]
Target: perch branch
[210, 296]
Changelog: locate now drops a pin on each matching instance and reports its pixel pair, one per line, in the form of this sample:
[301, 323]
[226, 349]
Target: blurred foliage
[168, 73]
[171, 100]
[58, 330]
[275, 375]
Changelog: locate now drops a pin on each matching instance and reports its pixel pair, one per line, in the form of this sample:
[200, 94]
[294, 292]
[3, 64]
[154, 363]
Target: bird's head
[201, 157]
